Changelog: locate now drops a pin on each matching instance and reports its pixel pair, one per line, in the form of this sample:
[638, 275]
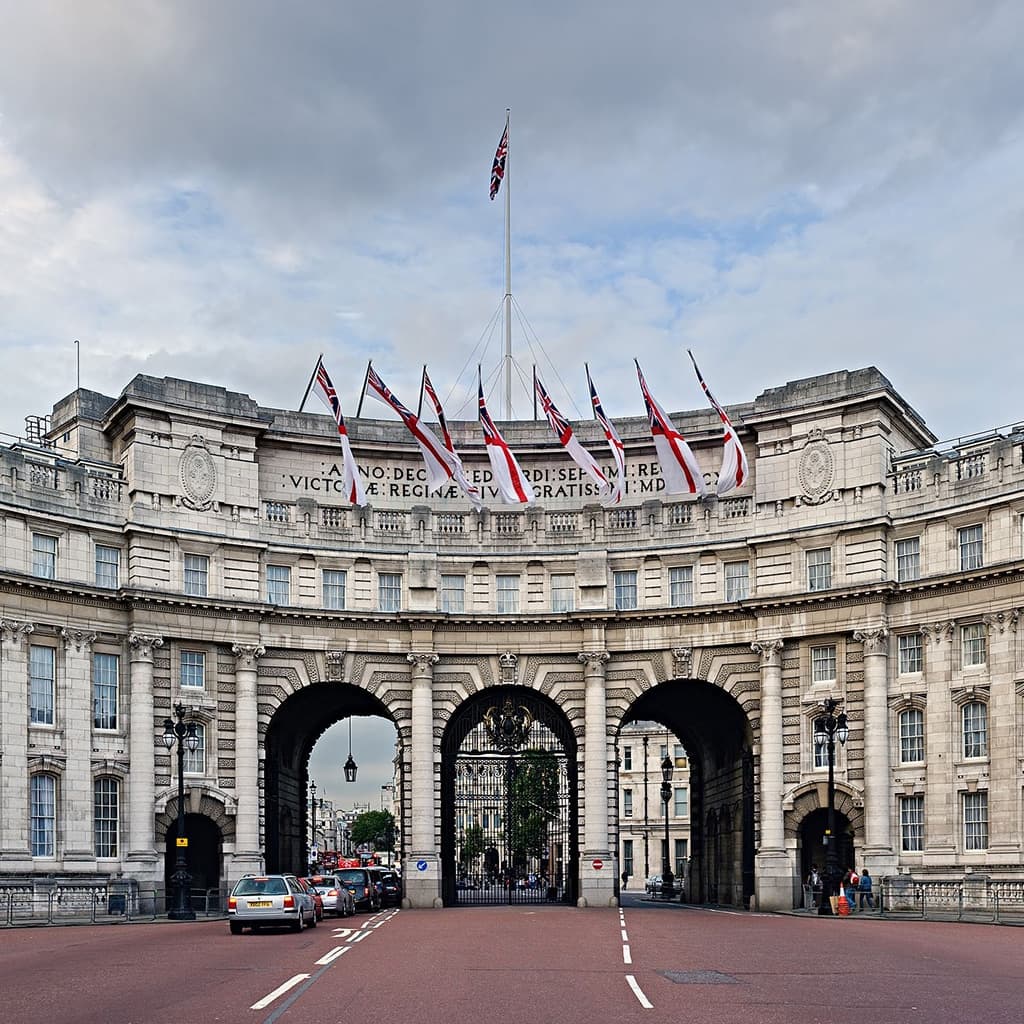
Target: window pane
[625, 590]
[971, 547]
[193, 669]
[976, 821]
[737, 581]
[820, 748]
[507, 594]
[41, 685]
[627, 803]
[823, 664]
[563, 592]
[973, 642]
[334, 588]
[105, 813]
[911, 653]
[104, 691]
[279, 581]
[453, 593]
[912, 736]
[197, 572]
[108, 566]
[44, 556]
[908, 559]
[912, 822]
[682, 801]
[195, 760]
[975, 718]
[680, 586]
[43, 815]
[389, 591]
[819, 569]
[627, 758]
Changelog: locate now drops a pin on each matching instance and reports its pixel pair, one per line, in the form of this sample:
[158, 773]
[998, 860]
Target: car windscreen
[261, 887]
[356, 875]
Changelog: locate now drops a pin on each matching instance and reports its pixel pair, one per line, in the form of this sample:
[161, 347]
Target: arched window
[106, 808]
[911, 736]
[975, 719]
[43, 810]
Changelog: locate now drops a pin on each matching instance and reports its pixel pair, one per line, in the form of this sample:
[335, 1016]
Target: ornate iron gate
[508, 802]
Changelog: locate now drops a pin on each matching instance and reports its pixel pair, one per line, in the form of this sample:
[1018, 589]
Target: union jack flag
[559, 424]
[469, 489]
[568, 440]
[498, 167]
[618, 449]
[350, 471]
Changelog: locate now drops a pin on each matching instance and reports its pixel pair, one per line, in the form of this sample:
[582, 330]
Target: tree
[534, 803]
[472, 845]
[374, 827]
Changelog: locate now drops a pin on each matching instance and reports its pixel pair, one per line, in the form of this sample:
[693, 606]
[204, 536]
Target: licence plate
[259, 903]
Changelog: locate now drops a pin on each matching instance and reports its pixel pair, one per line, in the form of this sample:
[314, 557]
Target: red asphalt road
[519, 964]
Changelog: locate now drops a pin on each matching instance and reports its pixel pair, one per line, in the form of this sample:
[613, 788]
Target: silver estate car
[259, 900]
[335, 894]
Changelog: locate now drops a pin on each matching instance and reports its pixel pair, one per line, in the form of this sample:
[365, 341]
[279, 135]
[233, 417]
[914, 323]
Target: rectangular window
[197, 575]
[279, 584]
[193, 670]
[625, 589]
[195, 760]
[563, 592]
[104, 691]
[108, 566]
[506, 594]
[823, 664]
[679, 755]
[681, 852]
[682, 801]
[334, 588]
[970, 540]
[105, 816]
[389, 591]
[44, 556]
[680, 586]
[911, 736]
[627, 857]
[627, 803]
[819, 569]
[41, 684]
[737, 581]
[820, 746]
[912, 823]
[972, 639]
[627, 758]
[908, 559]
[975, 720]
[453, 593]
[911, 653]
[976, 821]
[43, 815]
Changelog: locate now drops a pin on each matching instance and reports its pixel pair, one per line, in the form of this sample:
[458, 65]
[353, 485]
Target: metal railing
[97, 904]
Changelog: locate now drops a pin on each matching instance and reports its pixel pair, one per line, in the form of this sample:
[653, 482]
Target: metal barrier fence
[952, 902]
[97, 904]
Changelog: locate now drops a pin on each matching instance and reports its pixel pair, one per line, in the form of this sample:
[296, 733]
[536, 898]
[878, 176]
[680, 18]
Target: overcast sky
[219, 191]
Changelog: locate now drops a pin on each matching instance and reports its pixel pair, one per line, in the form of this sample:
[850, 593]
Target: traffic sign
[598, 864]
[182, 841]
[421, 865]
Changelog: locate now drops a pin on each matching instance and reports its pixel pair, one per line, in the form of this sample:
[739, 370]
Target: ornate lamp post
[827, 730]
[667, 878]
[313, 851]
[184, 734]
[351, 767]
[647, 858]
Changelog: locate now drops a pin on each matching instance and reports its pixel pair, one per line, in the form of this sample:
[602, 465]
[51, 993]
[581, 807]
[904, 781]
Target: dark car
[364, 892]
[389, 886]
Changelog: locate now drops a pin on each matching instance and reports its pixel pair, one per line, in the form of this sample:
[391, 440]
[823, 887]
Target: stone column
[878, 849]
[421, 871]
[15, 854]
[248, 855]
[1004, 787]
[940, 727]
[775, 888]
[597, 885]
[142, 740]
[76, 787]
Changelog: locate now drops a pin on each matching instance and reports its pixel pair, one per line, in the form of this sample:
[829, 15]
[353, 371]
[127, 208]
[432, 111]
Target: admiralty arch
[178, 543]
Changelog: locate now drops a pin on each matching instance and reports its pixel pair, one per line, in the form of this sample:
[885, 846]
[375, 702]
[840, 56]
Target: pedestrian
[864, 890]
[850, 883]
[814, 881]
[625, 878]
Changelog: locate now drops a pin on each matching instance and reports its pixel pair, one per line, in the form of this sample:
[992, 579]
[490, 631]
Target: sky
[373, 750]
[222, 191]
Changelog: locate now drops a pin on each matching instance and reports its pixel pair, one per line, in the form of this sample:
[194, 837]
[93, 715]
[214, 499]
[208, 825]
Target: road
[646, 963]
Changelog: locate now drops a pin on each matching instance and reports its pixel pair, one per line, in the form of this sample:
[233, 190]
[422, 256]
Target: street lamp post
[313, 856]
[667, 877]
[827, 730]
[184, 734]
[647, 858]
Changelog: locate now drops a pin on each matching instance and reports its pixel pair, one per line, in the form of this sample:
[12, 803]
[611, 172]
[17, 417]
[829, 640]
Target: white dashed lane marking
[278, 992]
[638, 992]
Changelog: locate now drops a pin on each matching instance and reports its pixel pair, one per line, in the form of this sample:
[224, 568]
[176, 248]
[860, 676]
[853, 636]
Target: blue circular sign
[421, 865]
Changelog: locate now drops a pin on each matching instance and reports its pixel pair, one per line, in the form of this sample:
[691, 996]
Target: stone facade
[181, 543]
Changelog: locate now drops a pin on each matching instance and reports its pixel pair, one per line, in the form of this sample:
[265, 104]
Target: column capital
[770, 650]
[246, 654]
[874, 639]
[143, 645]
[422, 661]
[593, 659]
[14, 630]
[77, 638]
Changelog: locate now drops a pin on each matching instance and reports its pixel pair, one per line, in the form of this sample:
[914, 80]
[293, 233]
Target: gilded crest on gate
[510, 726]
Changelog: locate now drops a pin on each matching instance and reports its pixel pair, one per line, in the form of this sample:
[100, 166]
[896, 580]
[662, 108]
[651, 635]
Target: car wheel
[236, 928]
[312, 923]
[297, 924]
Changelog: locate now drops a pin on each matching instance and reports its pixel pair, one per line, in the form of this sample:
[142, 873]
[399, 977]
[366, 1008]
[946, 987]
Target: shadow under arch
[714, 729]
[509, 801]
[291, 735]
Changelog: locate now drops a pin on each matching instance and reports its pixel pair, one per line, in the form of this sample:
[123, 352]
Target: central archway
[509, 801]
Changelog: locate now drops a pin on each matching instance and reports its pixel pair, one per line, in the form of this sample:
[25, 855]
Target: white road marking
[279, 991]
[342, 932]
[358, 936]
[625, 937]
[626, 958]
[638, 992]
[332, 955]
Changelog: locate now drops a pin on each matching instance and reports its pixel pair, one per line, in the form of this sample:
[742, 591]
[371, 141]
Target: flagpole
[362, 390]
[534, 390]
[419, 407]
[508, 271]
[309, 386]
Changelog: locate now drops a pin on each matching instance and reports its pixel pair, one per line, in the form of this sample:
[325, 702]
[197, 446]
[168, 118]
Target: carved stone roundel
[817, 468]
[198, 475]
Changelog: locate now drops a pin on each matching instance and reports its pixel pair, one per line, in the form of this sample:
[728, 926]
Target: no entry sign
[598, 864]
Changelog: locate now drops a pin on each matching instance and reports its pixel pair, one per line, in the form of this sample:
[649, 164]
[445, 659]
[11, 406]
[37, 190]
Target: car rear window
[357, 875]
[263, 886]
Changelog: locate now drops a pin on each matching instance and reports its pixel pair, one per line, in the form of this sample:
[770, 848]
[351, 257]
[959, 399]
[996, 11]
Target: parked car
[654, 887]
[335, 894]
[258, 900]
[361, 885]
[389, 886]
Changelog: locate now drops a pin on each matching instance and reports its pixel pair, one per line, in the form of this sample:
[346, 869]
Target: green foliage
[534, 803]
[374, 827]
[472, 845]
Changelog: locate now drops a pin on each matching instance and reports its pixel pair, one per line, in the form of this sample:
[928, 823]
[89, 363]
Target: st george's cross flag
[618, 450]
[351, 480]
[513, 487]
[498, 167]
[440, 466]
[459, 474]
[679, 467]
[568, 440]
[734, 470]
